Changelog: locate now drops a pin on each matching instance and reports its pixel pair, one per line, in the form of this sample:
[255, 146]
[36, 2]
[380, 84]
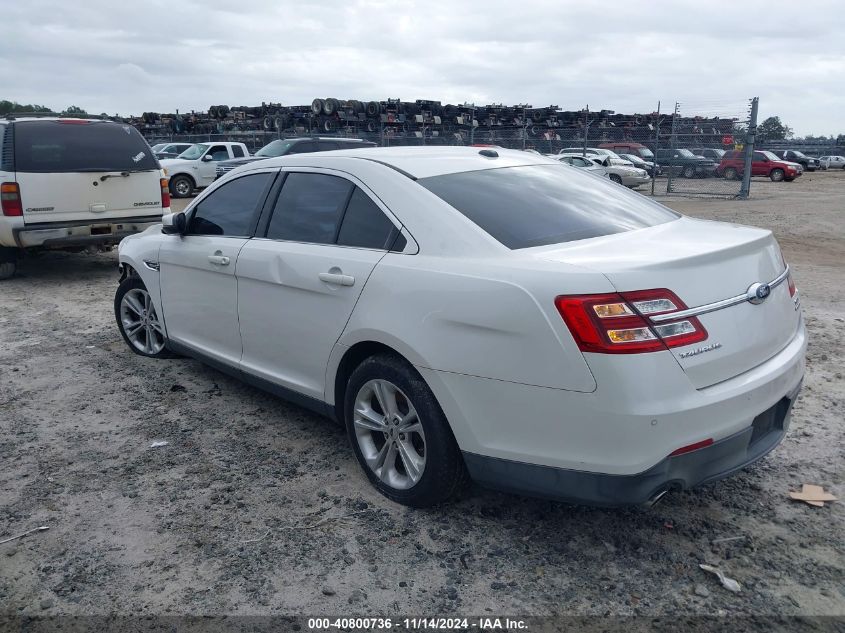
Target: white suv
[196, 167]
[67, 183]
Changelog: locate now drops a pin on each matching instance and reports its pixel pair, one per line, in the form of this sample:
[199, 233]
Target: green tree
[8, 107]
[773, 130]
[74, 110]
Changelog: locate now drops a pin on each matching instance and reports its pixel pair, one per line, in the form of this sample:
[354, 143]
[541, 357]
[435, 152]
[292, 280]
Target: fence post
[586, 128]
[656, 147]
[749, 150]
[672, 142]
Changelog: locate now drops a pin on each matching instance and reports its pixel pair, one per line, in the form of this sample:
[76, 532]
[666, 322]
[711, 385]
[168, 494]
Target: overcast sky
[130, 57]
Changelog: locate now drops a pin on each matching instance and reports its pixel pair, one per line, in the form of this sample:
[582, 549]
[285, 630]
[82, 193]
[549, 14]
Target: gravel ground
[257, 507]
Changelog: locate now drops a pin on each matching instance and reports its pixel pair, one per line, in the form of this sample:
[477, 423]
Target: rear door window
[309, 208]
[80, 146]
[364, 224]
[534, 205]
[237, 151]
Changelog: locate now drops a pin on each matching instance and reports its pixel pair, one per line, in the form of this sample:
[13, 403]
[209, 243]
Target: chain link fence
[683, 148]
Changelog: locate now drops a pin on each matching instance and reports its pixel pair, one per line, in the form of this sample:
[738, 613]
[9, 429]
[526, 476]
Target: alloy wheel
[389, 434]
[140, 321]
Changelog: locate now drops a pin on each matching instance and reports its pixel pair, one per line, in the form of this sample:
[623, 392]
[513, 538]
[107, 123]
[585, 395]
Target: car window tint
[309, 208]
[230, 209]
[326, 146]
[364, 224]
[237, 151]
[303, 148]
[218, 152]
[534, 205]
[80, 146]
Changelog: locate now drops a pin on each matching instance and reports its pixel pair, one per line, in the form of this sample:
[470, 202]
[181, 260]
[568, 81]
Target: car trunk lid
[704, 263]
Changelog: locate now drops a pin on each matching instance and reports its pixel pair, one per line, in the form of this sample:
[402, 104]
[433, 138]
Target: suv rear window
[534, 205]
[56, 146]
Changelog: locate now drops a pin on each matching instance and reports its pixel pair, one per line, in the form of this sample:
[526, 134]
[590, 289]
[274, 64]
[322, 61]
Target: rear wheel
[138, 321]
[689, 172]
[776, 175]
[181, 186]
[730, 173]
[8, 262]
[616, 178]
[400, 435]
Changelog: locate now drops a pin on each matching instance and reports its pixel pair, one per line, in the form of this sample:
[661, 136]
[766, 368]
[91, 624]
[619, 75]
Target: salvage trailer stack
[390, 122]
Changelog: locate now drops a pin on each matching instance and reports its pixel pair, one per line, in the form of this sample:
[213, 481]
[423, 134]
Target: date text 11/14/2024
[481, 624]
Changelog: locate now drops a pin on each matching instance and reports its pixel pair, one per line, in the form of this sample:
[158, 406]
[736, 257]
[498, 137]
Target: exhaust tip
[656, 498]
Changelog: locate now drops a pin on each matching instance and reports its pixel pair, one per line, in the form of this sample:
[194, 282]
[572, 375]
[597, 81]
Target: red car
[762, 164]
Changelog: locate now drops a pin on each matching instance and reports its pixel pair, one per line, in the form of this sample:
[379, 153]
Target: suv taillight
[165, 193]
[10, 199]
[620, 323]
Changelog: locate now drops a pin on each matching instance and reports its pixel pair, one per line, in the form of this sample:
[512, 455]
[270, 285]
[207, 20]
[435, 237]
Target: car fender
[140, 254]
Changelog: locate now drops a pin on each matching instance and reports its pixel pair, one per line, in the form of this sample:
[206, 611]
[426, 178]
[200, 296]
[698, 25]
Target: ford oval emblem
[758, 292]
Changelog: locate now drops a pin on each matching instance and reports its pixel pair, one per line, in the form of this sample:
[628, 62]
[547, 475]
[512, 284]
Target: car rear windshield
[535, 205]
[74, 146]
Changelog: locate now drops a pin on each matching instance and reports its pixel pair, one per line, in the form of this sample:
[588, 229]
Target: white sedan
[832, 162]
[622, 171]
[487, 314]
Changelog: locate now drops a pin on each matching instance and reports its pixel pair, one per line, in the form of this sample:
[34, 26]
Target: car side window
[218, 152]
[364, 224]
[230, 209]
[326, 146]
[303, 148]
[237, 151]
[758, 156]
[309, 208]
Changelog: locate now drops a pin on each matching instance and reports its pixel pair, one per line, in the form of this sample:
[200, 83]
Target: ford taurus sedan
[481, 314]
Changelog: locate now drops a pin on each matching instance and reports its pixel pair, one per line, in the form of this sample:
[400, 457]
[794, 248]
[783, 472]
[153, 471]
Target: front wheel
[138, 321]
[616, 178]
[689, 172]
[181, 186]
[730, 173]
[776, 175]
[400, 435]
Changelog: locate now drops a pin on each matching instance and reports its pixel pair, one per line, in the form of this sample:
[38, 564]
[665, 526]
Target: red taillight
[791, 285]
[10, 199]
[165, 193]
[692, 447]
[620, 323]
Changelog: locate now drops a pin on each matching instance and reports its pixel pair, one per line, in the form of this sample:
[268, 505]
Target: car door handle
[337, 278]
[218, 260]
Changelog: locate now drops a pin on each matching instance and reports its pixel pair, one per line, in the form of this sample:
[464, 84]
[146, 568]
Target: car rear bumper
[66, 234]
[680, 472]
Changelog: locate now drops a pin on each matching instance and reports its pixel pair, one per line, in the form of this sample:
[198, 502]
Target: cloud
[625, 56]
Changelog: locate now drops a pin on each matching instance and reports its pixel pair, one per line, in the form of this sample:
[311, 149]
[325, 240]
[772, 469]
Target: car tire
[688, 172]
[419, 467]
[731, 173]
[181, 186]
[776, 175]
[615, 178]
[138, 321]
[8, 269]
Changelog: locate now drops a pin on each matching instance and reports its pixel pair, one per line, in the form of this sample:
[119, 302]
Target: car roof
[418, 162]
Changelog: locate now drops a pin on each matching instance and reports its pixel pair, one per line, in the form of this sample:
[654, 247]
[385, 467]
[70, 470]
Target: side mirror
[207, 158]
[174, 224]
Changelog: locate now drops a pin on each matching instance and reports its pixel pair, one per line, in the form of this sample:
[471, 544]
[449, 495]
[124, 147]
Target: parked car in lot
[793, 156]
[70, 183]
[595, 346]
[582, 162]
[628, 147]
[622, 171]
[653, 169]
[283, 147]
[712, 153]
[832, 162]
[683, 162]
[196, 167]
[170, 150]
[763, 163]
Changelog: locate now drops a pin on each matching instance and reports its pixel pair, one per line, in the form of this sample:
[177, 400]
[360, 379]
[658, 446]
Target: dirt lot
[257, 507]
